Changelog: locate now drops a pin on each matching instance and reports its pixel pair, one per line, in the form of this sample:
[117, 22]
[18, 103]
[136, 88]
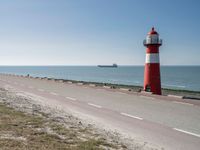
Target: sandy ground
[32, 104]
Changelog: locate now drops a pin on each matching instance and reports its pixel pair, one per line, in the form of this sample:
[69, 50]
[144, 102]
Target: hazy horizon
[94, 65]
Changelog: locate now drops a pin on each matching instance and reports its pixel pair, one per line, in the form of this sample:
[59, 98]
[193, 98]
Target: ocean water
[173, 77]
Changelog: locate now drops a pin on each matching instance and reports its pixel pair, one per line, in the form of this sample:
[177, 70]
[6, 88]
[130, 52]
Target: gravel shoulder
[28, 123]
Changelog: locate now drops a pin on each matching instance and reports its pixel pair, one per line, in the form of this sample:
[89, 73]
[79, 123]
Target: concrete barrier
[124, 89]
[80, 83]
[107, 87]
[60, 81]
[93, 85]
[145, 92]
[175, 96]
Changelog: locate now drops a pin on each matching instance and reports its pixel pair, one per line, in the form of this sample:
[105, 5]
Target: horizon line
[78, 65]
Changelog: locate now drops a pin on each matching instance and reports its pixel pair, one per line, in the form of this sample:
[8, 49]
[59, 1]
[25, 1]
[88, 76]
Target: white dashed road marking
[94, 105]
[52, 93]
[180, 130]
[71, 98]
[135, 117]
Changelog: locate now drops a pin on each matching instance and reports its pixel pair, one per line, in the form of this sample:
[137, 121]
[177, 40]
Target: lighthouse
[152, 81]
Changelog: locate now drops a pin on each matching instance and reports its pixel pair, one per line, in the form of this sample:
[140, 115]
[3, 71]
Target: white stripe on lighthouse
[152, 58]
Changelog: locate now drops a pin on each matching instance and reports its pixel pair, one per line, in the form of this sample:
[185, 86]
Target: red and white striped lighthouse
[152, 81]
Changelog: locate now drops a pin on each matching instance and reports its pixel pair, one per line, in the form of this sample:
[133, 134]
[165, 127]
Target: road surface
[170, 123]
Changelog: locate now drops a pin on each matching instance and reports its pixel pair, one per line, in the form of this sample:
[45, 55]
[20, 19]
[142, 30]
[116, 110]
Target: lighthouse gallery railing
[150, 41]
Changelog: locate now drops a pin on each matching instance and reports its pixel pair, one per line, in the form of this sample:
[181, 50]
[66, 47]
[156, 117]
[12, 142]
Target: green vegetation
[20, 131]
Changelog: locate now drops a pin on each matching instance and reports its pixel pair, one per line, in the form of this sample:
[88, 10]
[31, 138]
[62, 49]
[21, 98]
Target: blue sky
[91, 32]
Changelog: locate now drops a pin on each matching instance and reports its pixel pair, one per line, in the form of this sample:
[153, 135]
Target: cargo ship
[110, 66]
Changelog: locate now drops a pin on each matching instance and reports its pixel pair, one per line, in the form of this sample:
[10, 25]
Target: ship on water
[109, 66]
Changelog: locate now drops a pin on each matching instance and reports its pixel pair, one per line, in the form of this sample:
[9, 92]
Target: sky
[92, 32]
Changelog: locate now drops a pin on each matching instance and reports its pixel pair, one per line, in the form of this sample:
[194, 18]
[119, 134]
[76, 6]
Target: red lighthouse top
[152, 31]
[152, 38]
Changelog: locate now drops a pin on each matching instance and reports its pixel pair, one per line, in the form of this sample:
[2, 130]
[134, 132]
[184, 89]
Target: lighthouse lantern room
[152, 81]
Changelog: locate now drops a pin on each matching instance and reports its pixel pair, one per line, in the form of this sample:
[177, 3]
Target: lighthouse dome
[152, 31]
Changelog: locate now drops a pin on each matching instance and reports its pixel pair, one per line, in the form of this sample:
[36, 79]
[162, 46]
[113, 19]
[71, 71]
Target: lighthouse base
[152, 81]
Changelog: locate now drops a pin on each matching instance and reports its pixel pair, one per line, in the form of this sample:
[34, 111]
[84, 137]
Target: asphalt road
[170, 123]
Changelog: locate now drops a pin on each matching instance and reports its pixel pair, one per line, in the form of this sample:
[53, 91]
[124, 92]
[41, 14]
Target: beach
[134, 116]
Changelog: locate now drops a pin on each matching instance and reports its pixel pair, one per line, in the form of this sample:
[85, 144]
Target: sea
[172, 77]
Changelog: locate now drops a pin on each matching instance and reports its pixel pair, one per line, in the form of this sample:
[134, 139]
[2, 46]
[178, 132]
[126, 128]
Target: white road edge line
[94, 105]
[71, 98]
[147, 97]
[180, 130]
[183, 103]
[135, 117]
[52, 93]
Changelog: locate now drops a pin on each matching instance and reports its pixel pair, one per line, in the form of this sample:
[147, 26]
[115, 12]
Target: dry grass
[20, 131]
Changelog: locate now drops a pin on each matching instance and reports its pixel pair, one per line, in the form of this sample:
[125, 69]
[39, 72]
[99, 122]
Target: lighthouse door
[148, 88]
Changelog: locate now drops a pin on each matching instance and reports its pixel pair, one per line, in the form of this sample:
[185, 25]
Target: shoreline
[184, 94]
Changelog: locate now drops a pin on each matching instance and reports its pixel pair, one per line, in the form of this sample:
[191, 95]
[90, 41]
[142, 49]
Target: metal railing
[150, 41]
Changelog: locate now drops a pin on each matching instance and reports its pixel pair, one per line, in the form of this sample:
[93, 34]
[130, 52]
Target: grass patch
[20, 131]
